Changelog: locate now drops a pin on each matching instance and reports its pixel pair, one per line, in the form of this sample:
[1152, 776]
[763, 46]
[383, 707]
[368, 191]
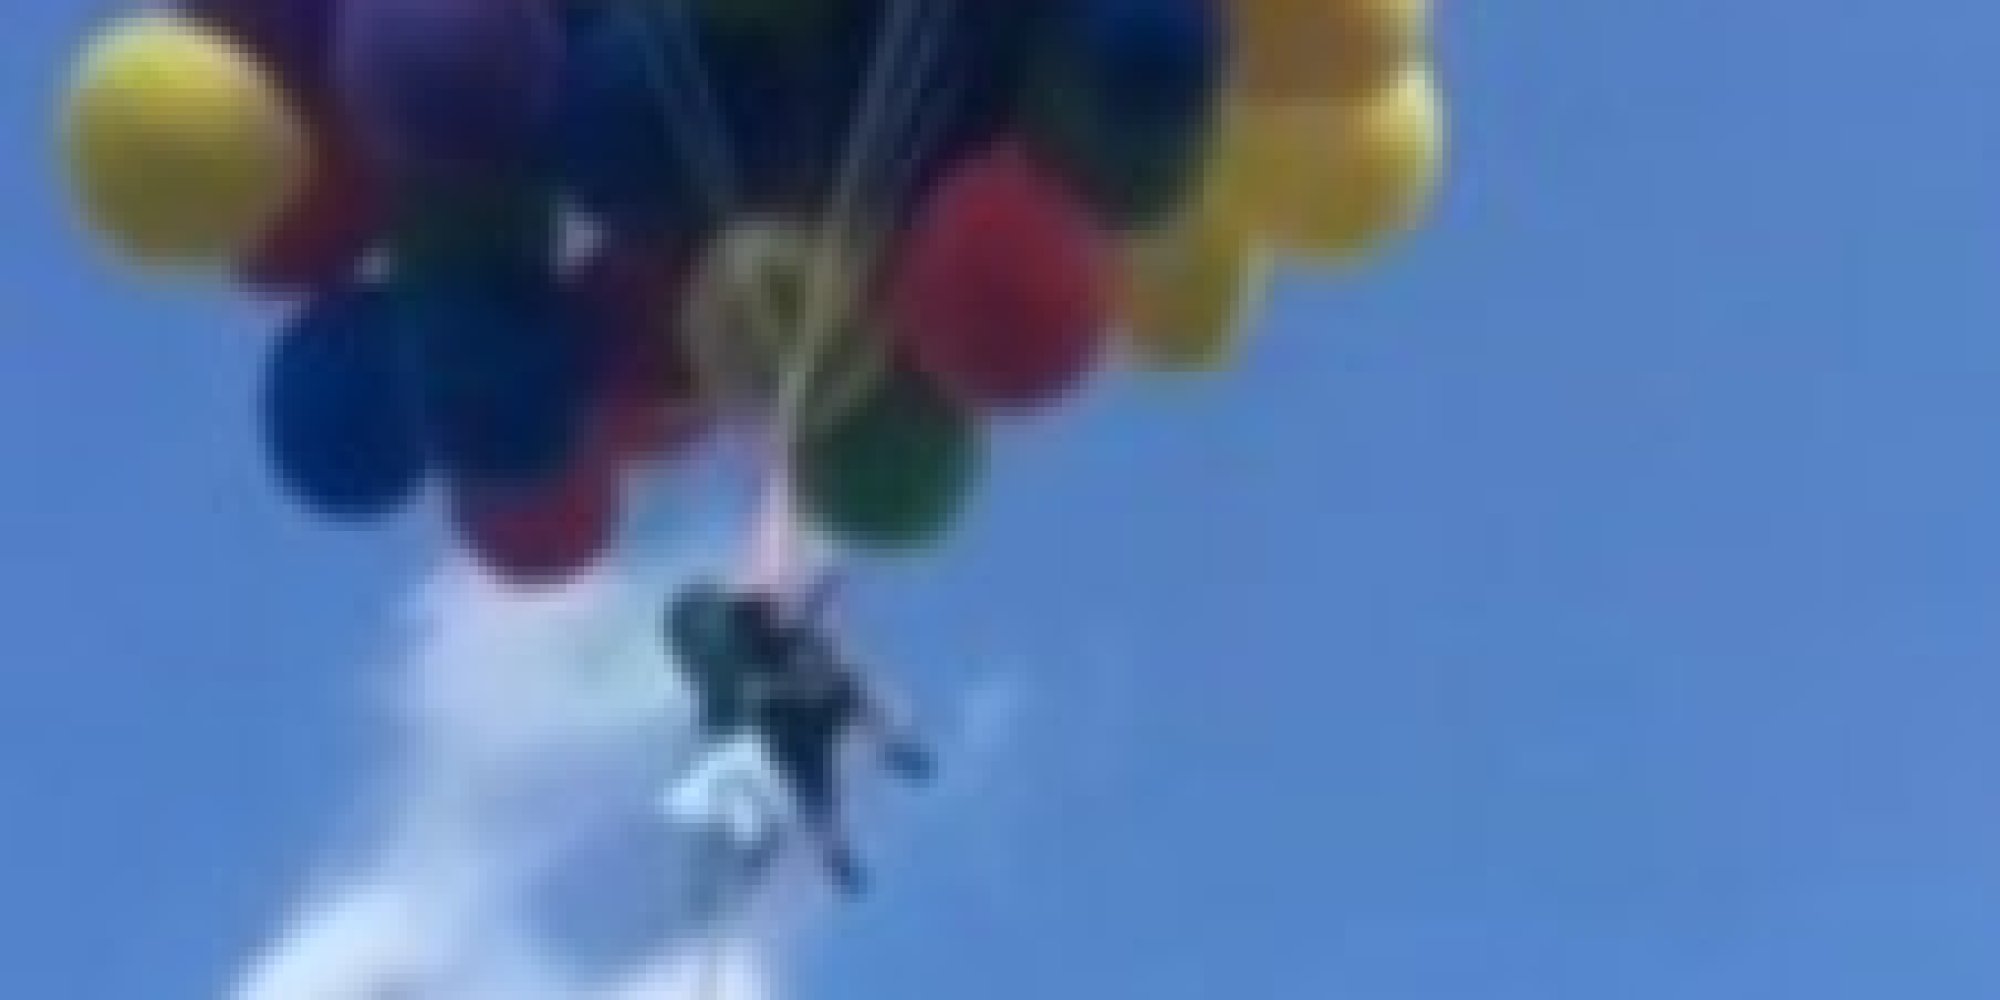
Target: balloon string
[695, 125]
[775, 544]
[904, 49]
[688, 111]
[815, 374]
[905, 52]
[926, 124]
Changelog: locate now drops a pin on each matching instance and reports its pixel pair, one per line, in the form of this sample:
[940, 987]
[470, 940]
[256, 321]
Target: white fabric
[732, 788]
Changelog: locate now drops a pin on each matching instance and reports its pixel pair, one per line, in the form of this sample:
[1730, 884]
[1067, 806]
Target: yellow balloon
[1290, 51]
[1190, 292]
[1336, 180]
[181, 149]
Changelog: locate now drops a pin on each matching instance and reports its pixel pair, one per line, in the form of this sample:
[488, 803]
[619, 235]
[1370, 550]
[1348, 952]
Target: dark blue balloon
[989, 49]
[621, 130]
[504, 377]
[786, 104]
[1157, 61]
[961, 66]
[774, 102]
[339, 425]
[1124, 97]
[794, 96]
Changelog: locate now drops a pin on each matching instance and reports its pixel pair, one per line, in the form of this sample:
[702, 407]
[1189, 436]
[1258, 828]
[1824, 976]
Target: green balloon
[893, 473]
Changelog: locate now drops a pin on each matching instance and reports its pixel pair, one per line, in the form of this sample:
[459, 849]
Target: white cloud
[525, 728]
[524, 724]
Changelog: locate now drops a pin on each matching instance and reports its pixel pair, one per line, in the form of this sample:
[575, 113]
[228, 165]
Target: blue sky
[1593, 600]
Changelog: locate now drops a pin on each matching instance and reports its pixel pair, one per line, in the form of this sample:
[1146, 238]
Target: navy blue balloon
[461, 87]
[1124, 99]
[620, 130]
[788, 93]
[989, 48]
[504, 376]
[338, 421]
[791, 95]
[795, 100]
[965, 66]
[787, 106]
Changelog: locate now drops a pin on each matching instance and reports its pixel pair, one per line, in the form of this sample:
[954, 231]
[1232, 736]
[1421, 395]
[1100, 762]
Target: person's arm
[902, 751]
[819, 662]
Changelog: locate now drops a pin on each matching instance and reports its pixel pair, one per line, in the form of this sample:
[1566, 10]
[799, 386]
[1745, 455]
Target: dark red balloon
[631, 298]
[546, 535]
[330, 225]
[1003, 288]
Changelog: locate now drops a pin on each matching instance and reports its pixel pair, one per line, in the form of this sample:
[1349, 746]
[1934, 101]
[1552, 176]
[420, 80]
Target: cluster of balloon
[531, 248]
[1330, 143]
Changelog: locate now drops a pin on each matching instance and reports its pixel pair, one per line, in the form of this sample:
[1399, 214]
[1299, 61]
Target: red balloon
[323, 234]
[1003, 290]
[649, 399]
[547, 535]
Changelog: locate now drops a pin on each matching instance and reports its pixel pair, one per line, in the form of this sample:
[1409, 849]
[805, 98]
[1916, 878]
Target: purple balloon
[456, 85]
[292, 37]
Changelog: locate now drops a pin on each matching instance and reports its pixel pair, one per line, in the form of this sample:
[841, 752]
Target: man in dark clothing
[758, 670]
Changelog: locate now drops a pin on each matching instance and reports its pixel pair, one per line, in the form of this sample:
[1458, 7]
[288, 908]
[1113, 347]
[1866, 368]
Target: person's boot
[845, 869]
[911, 761]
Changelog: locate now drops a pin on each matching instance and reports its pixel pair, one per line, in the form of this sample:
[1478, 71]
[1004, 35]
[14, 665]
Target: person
[771, 682]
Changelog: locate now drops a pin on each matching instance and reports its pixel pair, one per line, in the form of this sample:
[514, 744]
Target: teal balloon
[892, 474]
[478, 229]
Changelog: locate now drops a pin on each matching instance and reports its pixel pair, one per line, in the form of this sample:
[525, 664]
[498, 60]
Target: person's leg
[813, 774]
